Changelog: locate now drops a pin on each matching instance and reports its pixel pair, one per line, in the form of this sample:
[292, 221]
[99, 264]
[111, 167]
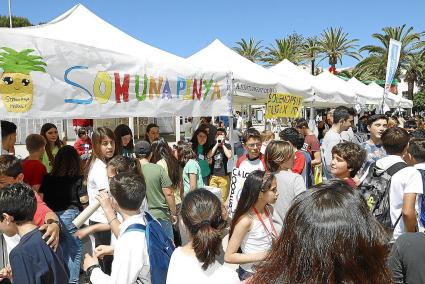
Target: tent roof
[218, 57]
[80, 25]
[333, 89]
[367, 95]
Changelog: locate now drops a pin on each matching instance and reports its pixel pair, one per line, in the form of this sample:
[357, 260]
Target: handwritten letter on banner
[283, 105]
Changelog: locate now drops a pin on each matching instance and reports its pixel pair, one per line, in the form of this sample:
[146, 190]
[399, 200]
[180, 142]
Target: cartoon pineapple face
[16, 87]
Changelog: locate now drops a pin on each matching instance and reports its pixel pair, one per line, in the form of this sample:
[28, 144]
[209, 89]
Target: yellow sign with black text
[283, 105]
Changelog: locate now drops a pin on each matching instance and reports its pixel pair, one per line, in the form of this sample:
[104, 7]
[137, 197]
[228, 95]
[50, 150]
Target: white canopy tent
[392, 100]
[85, 54]
[365, 95]
[251, 82]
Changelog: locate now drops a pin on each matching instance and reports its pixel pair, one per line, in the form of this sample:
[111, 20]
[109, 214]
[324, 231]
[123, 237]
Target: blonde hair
[392, 122]
[278, 152]
[267, 135]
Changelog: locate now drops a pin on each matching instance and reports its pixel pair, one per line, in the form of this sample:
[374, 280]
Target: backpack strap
[135, 227]
[395, 168]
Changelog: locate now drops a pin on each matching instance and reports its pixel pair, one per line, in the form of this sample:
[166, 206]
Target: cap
[142, 148]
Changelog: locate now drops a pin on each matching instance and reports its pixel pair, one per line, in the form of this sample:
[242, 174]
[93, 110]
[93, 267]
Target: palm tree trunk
[312, 66]
[410, 86]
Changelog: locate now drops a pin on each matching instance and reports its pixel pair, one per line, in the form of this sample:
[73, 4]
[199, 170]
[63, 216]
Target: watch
[53, 221]
[90, 269]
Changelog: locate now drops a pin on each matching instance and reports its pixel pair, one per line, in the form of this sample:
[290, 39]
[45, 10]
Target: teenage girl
[50, 132]
[97, 181]
[124, 141]
[252, 228]
[201, 147]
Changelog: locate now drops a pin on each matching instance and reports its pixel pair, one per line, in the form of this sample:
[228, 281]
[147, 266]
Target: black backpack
[375, 188]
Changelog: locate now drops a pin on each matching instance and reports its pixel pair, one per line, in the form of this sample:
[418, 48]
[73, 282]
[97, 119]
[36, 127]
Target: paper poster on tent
[283, 105]
[236, 183]
[43, 78]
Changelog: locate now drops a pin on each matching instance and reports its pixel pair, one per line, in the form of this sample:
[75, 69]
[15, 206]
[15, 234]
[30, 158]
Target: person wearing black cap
[159, 194]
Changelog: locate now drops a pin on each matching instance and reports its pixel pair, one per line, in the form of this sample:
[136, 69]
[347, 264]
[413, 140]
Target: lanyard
[273, 234]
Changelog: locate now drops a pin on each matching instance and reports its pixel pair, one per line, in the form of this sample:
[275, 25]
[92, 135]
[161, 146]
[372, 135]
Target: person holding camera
[218, 157]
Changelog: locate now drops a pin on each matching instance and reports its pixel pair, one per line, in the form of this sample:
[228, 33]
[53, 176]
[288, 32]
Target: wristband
[90, 269]
[53, 221]
[109, 223]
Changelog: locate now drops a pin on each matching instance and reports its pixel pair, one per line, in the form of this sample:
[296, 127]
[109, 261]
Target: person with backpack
[391, 186]
[416, 157]
[131, 259]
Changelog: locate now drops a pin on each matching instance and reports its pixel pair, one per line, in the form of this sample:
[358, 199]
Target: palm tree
[335, 44]
[376, 62]
[284, 49]
[310, 51]
[415, 69]
[251, 50]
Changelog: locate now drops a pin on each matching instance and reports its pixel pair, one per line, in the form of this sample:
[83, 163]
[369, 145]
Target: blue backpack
[160, 248]
[422, 217]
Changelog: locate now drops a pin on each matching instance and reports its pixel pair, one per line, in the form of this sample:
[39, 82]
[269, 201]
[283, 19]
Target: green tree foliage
[251, 49]
[335, 44]
[419, 101]
[16, 22]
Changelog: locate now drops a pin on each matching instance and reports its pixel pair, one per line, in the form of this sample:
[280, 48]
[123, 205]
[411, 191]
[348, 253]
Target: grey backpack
[376, 190]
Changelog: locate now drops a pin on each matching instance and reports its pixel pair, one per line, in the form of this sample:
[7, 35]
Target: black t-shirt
[33, 261]
[407, 258]
[219, 162]
[61, 193]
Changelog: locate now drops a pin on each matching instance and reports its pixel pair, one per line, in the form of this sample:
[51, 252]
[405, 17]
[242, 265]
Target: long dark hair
[329, 236]
[67, 162]
[161, 150]
[46, 127]
[185, 153]
[194, 141]
[148, 129]
[256, 182]
[201, 213]
[120, 131]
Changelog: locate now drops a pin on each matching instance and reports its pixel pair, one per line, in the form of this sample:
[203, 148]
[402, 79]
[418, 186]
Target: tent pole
[131, 124]
[177, 128]
[10, 14]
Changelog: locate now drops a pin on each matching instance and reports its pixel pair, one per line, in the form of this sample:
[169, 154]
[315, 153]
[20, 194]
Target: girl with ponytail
[252, 230]
[196, 261]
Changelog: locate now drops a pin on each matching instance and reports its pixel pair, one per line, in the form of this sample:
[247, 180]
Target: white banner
[43, 78]
[236, 185]
[392, 63]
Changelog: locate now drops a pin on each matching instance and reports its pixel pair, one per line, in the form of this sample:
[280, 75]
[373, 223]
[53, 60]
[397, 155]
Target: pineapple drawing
[16, 87]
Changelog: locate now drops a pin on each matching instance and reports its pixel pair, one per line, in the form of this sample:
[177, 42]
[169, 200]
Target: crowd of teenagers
[344, 207]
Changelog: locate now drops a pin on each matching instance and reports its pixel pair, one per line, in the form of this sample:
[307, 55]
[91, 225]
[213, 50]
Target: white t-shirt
[97, 179]
[407, 180]
[11, 242]
[329, 141]
[187, 269]
[420, 166]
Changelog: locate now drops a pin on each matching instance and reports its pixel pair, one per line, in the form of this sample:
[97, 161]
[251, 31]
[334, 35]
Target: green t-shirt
[156, 179]
[127, 153]
[45, 159]
[203, 162]
[191, 167]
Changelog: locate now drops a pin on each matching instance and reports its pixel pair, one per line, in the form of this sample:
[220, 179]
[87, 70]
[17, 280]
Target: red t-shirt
[82, 122]
[351, 182]
[34, 172]
[79, 145]
[299, 163]
[41, 211]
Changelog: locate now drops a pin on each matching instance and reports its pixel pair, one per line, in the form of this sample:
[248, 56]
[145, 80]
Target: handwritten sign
[236, 185]
[283, 105]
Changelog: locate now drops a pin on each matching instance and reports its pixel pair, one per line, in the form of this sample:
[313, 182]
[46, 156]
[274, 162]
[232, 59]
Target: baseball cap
[142, 148]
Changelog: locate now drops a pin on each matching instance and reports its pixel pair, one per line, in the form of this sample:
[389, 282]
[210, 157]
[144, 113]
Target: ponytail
[207, 243]
[201, 213]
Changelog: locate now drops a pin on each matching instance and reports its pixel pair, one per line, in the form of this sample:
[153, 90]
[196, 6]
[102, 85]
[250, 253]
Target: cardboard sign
[236, 184]
[283, 105]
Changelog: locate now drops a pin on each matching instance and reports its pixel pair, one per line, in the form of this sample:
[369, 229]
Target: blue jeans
[72, 247]
[243, 274]
[167, 227]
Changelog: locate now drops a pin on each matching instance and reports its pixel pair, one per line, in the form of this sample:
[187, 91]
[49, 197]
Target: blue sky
[183, 27]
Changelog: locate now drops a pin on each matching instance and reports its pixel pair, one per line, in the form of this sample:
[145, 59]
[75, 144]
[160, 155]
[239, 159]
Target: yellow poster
[283, 105]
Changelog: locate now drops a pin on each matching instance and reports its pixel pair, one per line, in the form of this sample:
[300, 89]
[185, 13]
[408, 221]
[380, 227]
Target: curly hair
[353, 154]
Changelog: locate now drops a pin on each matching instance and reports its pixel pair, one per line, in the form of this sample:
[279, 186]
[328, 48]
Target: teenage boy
[10, 173]
[33, 169]
[253, 159]
[83, 144]
[347, 159]
[311, 143]
[131, 259]
[291, 135]
[376, 125]
[218, 157]
[8, 137]
[406, 184]
[160, 196]
[32, 260]
[416, 157]
[342, 120]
